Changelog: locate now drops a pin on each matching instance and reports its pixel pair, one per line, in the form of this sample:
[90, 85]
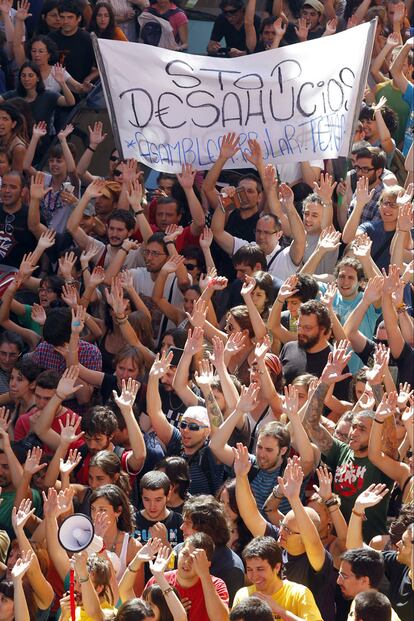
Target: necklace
[112, 548]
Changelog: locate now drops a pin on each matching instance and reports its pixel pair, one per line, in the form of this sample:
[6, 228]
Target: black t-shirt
[400, 592]
[291, 36]
[109, 384]
[15, 238]
[233, 37]
[75, 53]
[42, 107]
[297, 361]
[236, 226]
[404, 364]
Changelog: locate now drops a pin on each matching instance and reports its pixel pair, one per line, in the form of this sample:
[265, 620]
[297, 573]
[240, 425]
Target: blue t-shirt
[343, 308]
[408, 97]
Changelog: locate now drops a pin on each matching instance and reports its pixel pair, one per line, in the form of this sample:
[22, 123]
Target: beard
[308, 343]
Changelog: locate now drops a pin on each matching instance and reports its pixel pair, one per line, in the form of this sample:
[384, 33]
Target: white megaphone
[76, 533]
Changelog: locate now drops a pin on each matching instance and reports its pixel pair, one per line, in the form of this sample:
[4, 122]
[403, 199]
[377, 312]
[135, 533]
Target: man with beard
[352, 471]
[120, 225]
[309, 354]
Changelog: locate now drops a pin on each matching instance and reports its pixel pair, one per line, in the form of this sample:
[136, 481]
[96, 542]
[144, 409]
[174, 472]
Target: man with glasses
[11, 348]
[230, 27]
[190, 440]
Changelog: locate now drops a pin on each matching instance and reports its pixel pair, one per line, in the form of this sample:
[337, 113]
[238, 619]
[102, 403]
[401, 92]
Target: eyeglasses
[153, 253]
[391, 204]
[9, 355]
[363, 169]
[191, 426]
[113, 159]
[343, 576]
[190, 266]
[230, 11]
[283, 526]
[261, 232]
[47, 289]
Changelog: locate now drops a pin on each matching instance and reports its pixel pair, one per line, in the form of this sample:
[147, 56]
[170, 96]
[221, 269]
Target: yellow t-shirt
[107, 609]
[351, 614]
[293, 597]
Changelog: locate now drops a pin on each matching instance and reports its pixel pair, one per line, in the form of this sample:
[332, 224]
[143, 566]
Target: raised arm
[395, 338]
[397, 66]
[224, 239]
[96, 137]
[251, 35]
[125, 402]
[290, 486]
[228, 149]
[371, 294]
[216, 607]
[274, 322]
[246, 502]
[192, 347]
[186, 180]
[169, 310]
[90, 600]
[362, 197]
[300, 439]
[329, 241]
[161, 426]
[369, 498]
[73, 224]
[158, 566]
[258, 324]
[387, 143]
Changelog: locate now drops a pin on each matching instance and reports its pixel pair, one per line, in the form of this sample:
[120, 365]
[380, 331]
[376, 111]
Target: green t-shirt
[26, 320]
[6, 507]
[396, 102]
[351, 476]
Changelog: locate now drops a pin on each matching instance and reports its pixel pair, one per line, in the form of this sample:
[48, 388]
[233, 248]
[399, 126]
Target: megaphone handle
[72, 593]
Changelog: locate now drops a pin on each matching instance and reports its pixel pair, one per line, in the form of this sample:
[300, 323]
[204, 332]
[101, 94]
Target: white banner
[168, 108]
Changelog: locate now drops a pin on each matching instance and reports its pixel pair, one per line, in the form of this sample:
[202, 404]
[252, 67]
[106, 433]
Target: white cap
[198, 413]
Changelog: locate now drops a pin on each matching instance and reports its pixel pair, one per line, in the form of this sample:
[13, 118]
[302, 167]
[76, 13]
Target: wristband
[402, 308]
[90, 149]
[167, 590]
[360, 515]
[380, 422]
[59, 397]
[139, 212]
[133, 571]
[83, 580]
[334, 500]
[169, 242]
[275, 494]
[280, 301]
[124, 249]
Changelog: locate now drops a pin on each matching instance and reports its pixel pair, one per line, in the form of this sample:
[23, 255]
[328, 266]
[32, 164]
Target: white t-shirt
[134, 258]
[144, 285]
[291, 172]
[280, 266]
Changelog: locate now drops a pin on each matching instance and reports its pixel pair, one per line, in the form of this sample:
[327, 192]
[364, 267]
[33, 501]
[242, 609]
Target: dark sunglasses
[190, 266]
[191, 426]
[230, 11]
[113, 159]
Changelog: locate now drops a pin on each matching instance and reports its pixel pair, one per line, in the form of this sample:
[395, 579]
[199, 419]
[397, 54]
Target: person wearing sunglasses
[229, 25]
[190, 440]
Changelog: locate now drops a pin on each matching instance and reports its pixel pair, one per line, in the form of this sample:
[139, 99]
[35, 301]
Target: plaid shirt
[370, 213]
[89, 356]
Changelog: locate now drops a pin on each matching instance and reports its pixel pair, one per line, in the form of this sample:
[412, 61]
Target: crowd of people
[216, 371]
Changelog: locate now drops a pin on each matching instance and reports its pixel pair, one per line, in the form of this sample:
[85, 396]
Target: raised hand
[68, 465]
[161, 365]
[288, 288]
[206, 279]
[66, 265]
[129, 390]
[172, 232]
[328, 297]
[50, 503]
[387, 406]
[206, 238]
[187, 176]
[217, 357]
[129, 171]
[286, 195]
[229, 145]
[21, 515]
[291, 402]
[26, 267]
[255, 155]
[40, 130]
[292, 480]
[261, 349]
[201, 564]
[95, 188]
[337, 361]
[97, 276]
[198, 318]
[68, 431]
[194, 342]
[325, 188]
[95, 134]
[381, 359]
[38, 314]
[391, 280]
[371, 496]
[405, 218]
[248, 398]
[248, 286]
[32, 464]
[134, 195]
[149, 550]
[329, 239]
[160, 564]
[325, 483]
[22, 565]
[58, 72]
[204, 378]
[64, 500]
[101, 523]
[362, 193]
[361, 246]
[405, 394]
[373, 289]
[47, 239]
[331, 26]
[78, 318]
[5, 419]
[280, 28]
[116, 299]
[270, 181]
[88, 254]
[65, 132]
[302, 29]
[173, 264]
[22, 11]
[235, 343]
[70, 295]
[242, 464]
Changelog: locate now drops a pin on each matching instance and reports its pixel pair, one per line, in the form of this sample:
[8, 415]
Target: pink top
[176, 20]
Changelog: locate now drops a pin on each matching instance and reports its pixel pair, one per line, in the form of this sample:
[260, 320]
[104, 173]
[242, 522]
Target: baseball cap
[198, 413]
[315, 4]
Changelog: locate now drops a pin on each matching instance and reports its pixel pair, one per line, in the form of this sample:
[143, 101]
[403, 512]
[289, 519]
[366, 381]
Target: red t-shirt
[22, 428]
[198, 610]
[83, 472]
[183, 241]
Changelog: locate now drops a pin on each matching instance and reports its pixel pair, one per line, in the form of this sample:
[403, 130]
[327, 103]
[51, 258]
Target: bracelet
[380, 422]
[280, 301]
[169, 242]
[168, 590]
[124, 249]
[133, 571]
[139, 212]
[83, 580]
[90, 149]
[274, 492]
[333, 500]
[59, 397]
[402, 308]
[120, 322]
[358, 514]
[85, 268]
